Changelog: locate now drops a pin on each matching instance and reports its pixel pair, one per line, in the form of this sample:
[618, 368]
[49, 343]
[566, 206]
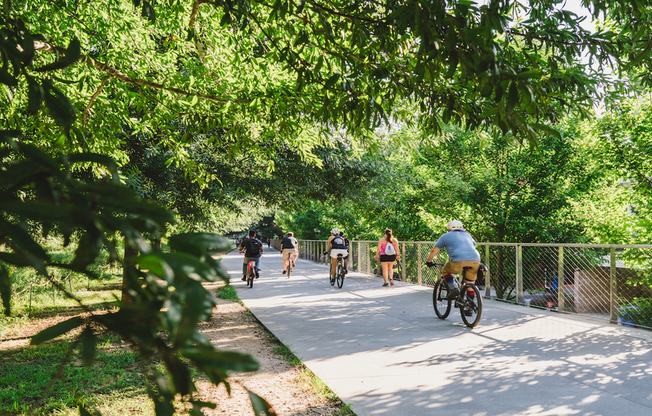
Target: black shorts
[384, 258]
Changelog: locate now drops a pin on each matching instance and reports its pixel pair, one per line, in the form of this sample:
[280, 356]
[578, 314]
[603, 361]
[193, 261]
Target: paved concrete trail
[384, 351]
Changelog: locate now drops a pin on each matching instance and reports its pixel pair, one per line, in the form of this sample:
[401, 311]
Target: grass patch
[114, 384]
[227, 292]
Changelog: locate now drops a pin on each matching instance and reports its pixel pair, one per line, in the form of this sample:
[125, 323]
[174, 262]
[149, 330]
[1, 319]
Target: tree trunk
[126, 266]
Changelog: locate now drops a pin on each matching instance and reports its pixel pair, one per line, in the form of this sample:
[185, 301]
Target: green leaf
[72, 55]
[88, 346]
[35, 95]
[536, 73]
[549, 130]
[156, 265]
[331, 81]
[5, 289]
[7, 79]
[260, 405]
[512, 99]
[56, 330]
[103, 160]
[148, 11]
[16, 260]
[22, 239]
[59, 106]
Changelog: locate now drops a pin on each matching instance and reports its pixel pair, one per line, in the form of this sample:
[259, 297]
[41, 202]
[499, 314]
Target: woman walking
[387, 253]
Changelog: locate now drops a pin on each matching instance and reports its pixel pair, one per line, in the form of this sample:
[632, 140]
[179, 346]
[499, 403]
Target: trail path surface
[383, 350]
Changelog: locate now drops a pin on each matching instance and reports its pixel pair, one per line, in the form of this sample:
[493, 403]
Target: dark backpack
[253, 247]
[338, 242]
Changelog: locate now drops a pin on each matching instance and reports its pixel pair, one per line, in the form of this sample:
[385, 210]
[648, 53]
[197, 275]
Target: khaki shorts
[455, 267]
[286, 254]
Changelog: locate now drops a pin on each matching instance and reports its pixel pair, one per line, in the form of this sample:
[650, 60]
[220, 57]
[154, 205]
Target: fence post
[487, 278]
[359, 257]
[419, 277]
[561, 290]
[368, 258]
[403, 274]
[613, 288]
[519, 275]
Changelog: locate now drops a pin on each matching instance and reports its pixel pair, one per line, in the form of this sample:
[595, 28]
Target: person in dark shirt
[289, 245]
[253, 249]
[336, 245]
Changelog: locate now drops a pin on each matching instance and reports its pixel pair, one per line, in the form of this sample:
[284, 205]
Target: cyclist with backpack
[336, 245]
[289, 245]
[253, 249]
[387, 253]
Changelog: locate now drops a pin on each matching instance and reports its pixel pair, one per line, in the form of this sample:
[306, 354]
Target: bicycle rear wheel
[251, 274]
[471, 308]
[441, 304]
[340, 275]
[289, 266]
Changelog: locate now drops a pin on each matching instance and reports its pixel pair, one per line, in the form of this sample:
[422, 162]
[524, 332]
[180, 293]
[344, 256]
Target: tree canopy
[186, 99]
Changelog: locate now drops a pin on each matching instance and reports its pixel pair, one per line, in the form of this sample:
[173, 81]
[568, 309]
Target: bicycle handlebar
[431, 264]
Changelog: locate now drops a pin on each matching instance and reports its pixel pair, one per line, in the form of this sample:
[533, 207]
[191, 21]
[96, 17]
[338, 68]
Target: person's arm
[377, 256]
[433, 253]
[328, 244]
[398, 253]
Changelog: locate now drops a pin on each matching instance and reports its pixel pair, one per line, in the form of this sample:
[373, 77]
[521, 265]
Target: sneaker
[453, 293]
[468, 312]
[284, 272]
[244, 278]
[294, 265]
[346, 271]
[385, 284]
[391, 282]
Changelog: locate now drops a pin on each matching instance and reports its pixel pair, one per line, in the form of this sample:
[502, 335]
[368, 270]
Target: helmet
[335, 231]
[455, 225]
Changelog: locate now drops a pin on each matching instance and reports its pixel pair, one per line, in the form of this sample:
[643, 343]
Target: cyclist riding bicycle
[337, 245]
[289, 245]
[460, 247]
[253, 249]
[346, 259]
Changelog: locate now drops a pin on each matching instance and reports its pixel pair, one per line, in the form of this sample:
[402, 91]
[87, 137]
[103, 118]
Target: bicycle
[288, 264]
[252, 272]
[340, 272]
[470, 309]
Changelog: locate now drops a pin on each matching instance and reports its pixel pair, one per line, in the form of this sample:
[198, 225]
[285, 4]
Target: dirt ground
[283, 386]
[232, 327]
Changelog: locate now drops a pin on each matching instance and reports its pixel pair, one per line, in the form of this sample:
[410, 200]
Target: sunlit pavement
[384, 351]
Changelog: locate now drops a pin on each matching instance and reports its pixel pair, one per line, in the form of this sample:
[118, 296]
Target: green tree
[624, 139]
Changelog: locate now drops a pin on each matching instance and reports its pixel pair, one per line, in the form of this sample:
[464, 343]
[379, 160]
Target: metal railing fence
[609, 282]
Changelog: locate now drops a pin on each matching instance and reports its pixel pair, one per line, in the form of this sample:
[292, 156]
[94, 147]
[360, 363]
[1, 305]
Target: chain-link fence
[610, 282]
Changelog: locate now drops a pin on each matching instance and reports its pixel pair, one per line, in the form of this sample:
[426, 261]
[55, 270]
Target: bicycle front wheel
[439, 301]
[340, 275]
[471, 307]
